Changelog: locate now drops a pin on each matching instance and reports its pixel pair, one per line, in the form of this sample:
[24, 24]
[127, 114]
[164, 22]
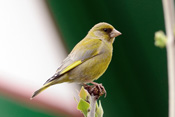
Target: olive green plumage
[88, 60]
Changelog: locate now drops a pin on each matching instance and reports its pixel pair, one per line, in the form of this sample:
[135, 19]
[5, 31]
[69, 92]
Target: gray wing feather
[79, 55]
[75, 56]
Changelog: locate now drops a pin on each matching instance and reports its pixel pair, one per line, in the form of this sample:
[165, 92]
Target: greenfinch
[88, 60]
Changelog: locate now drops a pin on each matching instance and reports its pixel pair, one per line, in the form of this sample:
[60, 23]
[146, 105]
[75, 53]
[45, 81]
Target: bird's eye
[105, 30]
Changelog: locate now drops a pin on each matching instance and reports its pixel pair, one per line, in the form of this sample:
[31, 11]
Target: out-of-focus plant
[161, 41]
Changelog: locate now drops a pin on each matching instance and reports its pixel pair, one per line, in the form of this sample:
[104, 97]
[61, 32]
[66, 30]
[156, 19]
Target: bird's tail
[56, 79]
[41, 89]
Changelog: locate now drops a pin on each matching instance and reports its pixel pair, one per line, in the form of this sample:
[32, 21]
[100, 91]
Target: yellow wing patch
[73, 65]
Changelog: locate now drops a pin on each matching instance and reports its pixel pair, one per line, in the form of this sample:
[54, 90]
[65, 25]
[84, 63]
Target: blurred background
[37, 35]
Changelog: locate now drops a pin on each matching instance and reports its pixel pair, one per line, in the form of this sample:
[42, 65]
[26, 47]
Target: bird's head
[104, 31]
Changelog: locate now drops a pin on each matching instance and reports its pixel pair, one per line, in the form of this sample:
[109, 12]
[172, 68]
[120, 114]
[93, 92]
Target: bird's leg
[100, 86]
[84, 84]
[87, 87]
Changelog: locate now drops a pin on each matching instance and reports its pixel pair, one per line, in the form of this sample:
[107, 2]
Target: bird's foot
[95, 89]
[100, 87]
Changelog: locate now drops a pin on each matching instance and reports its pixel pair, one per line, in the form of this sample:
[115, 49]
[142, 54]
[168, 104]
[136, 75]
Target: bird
[88, 60]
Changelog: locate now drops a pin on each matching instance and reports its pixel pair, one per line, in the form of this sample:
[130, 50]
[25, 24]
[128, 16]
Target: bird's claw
[95, 89]
[100, 88]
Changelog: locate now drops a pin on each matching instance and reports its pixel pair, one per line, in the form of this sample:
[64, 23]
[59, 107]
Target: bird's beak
[115, 33]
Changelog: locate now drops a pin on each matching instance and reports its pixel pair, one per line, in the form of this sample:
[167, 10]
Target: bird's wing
[83, 51]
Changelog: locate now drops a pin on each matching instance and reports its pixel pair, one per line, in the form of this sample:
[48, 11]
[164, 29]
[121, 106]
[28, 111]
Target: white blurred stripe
[31, 50]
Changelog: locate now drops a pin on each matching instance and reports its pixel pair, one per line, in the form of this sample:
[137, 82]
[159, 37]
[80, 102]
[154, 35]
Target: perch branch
[95, 92]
